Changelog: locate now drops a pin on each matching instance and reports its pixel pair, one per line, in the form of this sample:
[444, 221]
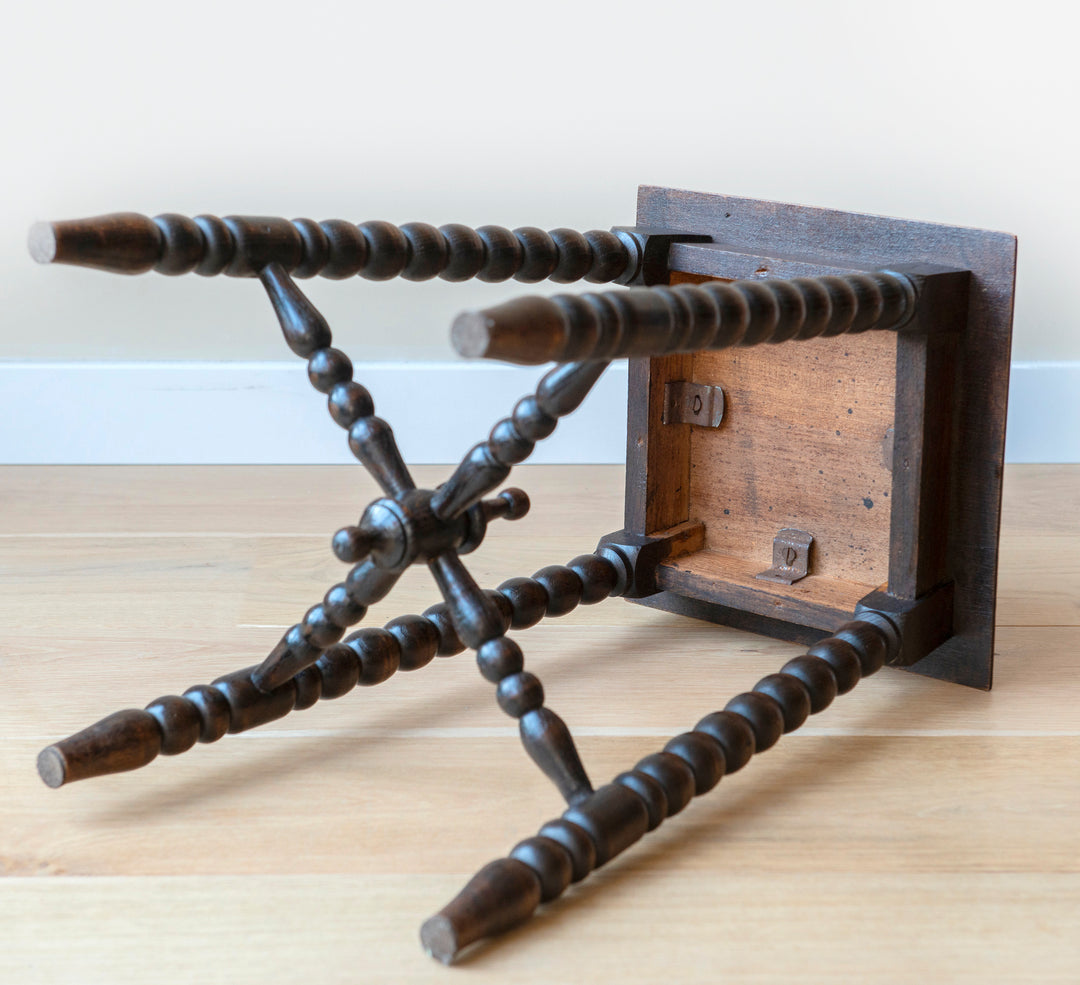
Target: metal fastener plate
[693, 403]
[790, 557]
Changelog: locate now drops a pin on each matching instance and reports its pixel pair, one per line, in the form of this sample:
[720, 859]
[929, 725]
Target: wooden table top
[915, 831]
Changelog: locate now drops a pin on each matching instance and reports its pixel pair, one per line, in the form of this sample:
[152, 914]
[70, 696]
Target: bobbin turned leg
[127, 740]
[173, 724]
[661, 320]
[241, 246]
[599, 826]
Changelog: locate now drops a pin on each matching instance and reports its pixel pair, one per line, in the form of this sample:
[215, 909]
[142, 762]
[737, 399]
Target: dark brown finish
[652, 247]
[923, 624]
[954, 485]
[242, 246]
[729, 277]
[636, 558]
[129, 739]
[613, 817]
[687, 318]
[817, 677]
[500, 896]
[550, 861]
[549, 744]
[675, 776]
[124, 741]
[921, 461]
[705, 756]
[734, 735]
[607, 822]
[512, 440]
[657, 457]
[407, 526]
[122, 243]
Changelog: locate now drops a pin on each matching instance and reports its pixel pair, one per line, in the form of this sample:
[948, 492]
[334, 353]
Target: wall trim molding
[142, 413]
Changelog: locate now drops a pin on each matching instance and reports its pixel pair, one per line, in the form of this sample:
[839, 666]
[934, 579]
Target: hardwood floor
[914, 832]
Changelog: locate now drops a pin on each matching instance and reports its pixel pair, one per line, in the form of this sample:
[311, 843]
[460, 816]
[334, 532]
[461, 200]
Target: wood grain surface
[915, 831]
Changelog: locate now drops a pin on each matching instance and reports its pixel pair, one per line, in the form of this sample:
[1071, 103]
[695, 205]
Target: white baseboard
[1044, 412]
[266, 412]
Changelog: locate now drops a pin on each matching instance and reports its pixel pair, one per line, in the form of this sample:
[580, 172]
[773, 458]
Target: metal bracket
[693, 403]
[790, 557]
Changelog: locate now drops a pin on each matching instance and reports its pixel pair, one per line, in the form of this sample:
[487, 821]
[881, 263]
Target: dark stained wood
[636, 558]
[601, 825]
[817, 676]
[930, 428]
[124, 741]
[120, 243]
[786, 240]
[737, 618]
[549, 744]
[614, 818]
[657, 456]
[500, 896]
[733, 734]
[791, 694]
[922, 624]
[704, 315]
[262, 240]
[130, 739]
[703, 754]
[921, 464]
[559, 392]
[240, 246]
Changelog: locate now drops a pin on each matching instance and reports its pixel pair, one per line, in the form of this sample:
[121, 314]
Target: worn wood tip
[51, 767]
[439, 939]
[42, 242]
[470, 334]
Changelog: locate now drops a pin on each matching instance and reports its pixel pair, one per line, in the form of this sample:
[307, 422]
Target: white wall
[545, 113]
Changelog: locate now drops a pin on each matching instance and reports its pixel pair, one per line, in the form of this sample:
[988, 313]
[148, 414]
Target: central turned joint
[401, 530]
[404, 529]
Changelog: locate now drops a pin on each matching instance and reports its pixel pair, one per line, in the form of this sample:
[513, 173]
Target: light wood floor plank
[641, 925]
[364, 803]
[636, 679]
[915, 831]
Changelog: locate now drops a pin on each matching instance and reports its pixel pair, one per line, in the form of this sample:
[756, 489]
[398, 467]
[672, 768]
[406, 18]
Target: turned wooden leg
[241, 246]
[596, 828]
[408, 525]
[173, 724]
[654, 321]
[129, 739]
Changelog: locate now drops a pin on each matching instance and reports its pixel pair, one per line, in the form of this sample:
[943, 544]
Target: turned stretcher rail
[240, 246]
